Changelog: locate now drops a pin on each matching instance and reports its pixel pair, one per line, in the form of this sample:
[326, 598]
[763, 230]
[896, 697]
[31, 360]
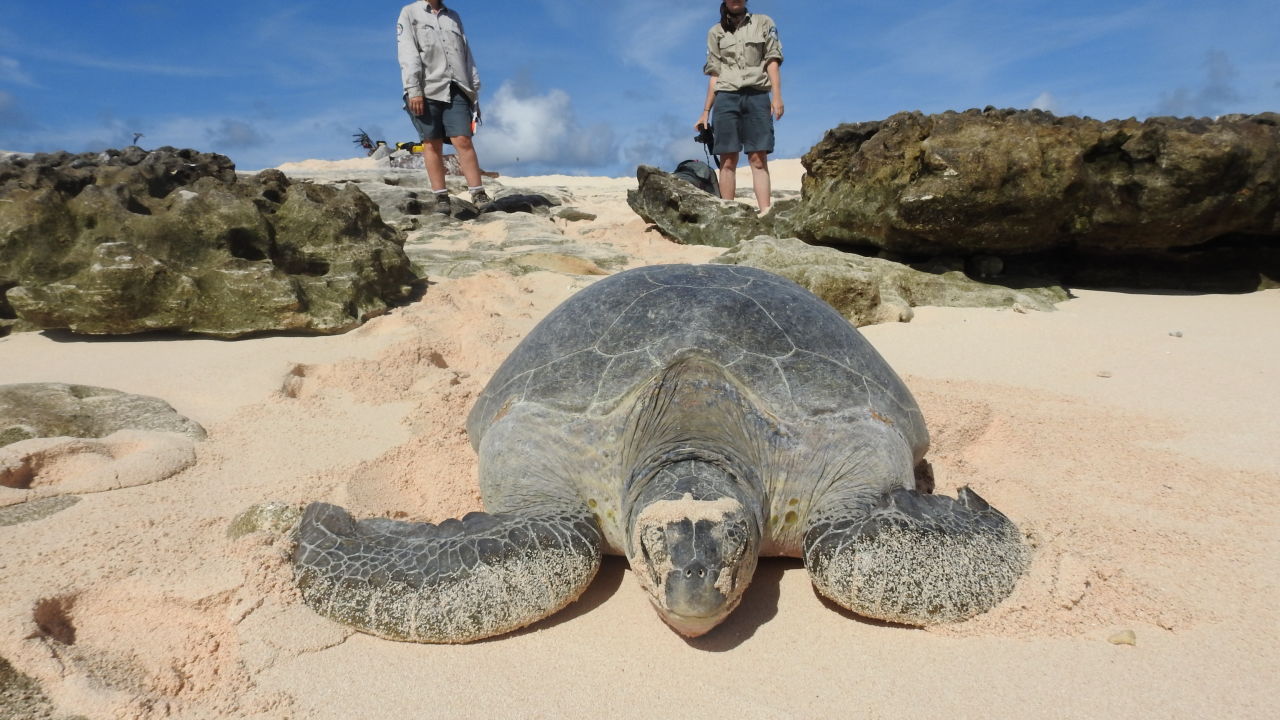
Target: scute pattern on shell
[800, 357]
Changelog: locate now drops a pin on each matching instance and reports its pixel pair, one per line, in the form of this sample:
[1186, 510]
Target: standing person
[441, 92]
[744, 60]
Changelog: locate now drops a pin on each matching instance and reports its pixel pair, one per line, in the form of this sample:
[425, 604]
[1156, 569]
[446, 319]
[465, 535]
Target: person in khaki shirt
[744, 95]
[441, 92]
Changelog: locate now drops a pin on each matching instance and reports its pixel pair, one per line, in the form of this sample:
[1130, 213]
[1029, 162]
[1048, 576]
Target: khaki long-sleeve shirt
[434, 53]
[738, 58]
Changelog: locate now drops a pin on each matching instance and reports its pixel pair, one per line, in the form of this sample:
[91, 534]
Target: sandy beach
[1130, 435]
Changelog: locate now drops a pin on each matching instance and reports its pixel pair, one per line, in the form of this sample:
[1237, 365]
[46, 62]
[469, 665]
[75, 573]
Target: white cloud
[1047, 102]
[564, 13]
[1219, 88]
[967, 42]
[297, 50]
[1214, 96]
[229, 135]
[110, 131]
[11, 71]
[97, 62]
[12, 118]
[650, 33]
[664, 145]
[529, 130]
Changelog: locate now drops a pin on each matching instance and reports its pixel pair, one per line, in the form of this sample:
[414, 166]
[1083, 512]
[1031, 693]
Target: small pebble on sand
[1124, 637]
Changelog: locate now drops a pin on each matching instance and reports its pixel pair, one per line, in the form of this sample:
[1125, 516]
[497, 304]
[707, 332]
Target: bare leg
[433, 158]
[760, 179]
[468, 159]
[728, 175]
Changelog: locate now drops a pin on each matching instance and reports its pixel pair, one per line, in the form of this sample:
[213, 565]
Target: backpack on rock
[700, 175]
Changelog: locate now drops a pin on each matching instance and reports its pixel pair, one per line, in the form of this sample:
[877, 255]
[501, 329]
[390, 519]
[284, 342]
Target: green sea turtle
[693, 419]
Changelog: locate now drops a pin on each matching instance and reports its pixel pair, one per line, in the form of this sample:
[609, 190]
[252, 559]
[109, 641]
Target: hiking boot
[481, 199]
[443, 205]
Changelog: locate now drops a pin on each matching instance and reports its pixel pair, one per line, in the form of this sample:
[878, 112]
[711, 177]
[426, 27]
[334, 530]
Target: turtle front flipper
[455, 582]
[916, 559]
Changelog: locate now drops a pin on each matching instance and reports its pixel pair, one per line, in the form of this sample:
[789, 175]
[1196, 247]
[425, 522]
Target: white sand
[364, 163]
[1142, 463]
[785, 174]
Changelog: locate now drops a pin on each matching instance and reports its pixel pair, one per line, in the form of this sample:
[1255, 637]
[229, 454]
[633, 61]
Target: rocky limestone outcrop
[41, 410]
[134, 241]
[405, 199]
[689, 215]
[1069, 194]
[870, 290]
[403, 196]
[523, 230]
[512, 242]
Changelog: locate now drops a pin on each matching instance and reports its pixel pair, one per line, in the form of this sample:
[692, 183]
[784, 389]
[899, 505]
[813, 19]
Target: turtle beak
[696, 572]
[693, 593]
[692, 627]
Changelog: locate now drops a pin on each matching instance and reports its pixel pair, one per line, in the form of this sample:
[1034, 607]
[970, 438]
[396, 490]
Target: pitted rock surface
[871, 290]
[517, 233]
[689, 215]
[1163, 202]
[172, 240]
[40, 410]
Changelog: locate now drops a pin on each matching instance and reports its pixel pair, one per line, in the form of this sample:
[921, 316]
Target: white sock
[474, 190]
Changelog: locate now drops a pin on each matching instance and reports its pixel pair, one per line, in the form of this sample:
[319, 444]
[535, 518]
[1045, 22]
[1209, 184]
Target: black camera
[705, 135]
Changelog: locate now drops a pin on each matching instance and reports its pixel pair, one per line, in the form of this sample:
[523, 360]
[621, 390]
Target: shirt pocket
[729, 51]
[753, 54]
[453, 39]
[429, 42]
[450, 31]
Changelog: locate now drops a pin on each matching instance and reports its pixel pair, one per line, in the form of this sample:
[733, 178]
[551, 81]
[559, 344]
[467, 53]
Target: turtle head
[694, 554]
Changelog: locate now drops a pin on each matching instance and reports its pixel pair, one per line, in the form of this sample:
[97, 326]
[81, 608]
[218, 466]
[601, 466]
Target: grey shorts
[444, 119]
[742, 122]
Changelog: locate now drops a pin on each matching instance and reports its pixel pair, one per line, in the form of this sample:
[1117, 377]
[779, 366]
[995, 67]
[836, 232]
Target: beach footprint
[84, 647]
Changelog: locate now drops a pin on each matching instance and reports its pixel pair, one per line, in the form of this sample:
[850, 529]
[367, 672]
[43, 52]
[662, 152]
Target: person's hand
[777, 108]
[418, 105]
[702, 122]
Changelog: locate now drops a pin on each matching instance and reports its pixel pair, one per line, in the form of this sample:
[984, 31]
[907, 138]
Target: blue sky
[597, 87]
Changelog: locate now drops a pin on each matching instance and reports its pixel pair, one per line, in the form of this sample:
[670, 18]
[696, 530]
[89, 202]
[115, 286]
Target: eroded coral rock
[689, 215]
[42, 410]
[134, 241]
[1165, 202]
[1014, 181]
[871, 290]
